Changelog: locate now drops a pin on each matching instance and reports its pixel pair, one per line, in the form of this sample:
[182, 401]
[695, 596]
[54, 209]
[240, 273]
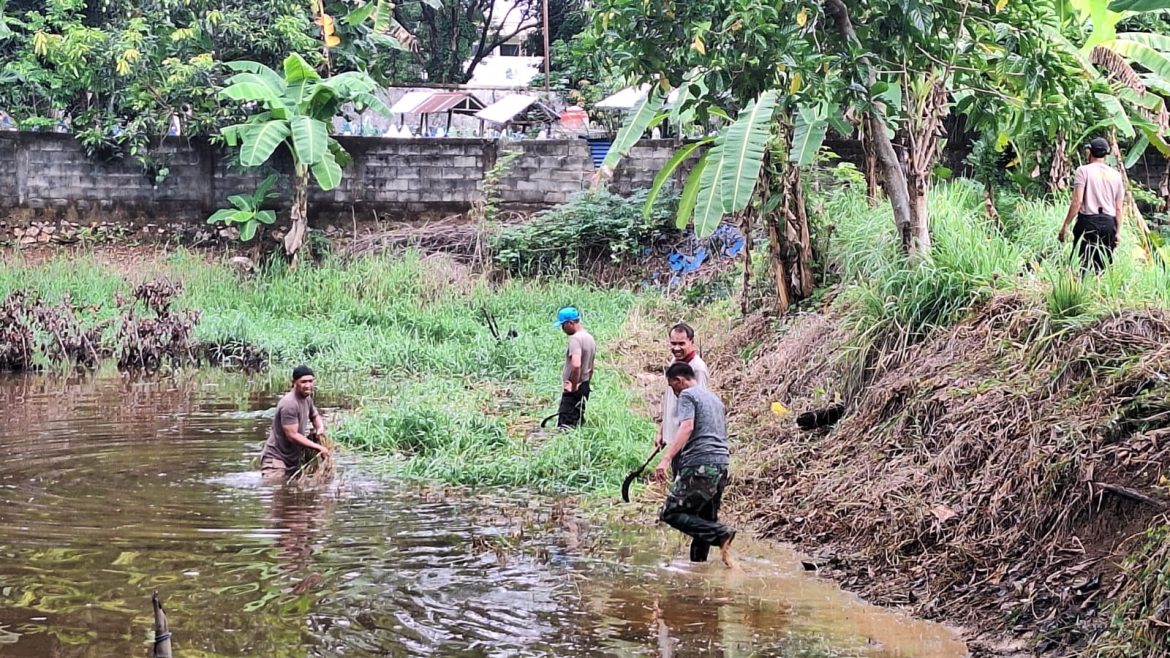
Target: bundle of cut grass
[317, 469]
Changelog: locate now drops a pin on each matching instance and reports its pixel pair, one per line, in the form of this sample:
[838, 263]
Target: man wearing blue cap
[1097, 203]
[578, 368]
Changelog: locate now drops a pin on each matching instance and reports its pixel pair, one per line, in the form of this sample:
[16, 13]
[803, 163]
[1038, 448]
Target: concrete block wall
[47, 177]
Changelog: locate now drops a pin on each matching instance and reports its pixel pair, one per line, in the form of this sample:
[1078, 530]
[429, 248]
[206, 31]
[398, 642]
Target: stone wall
[47, 177]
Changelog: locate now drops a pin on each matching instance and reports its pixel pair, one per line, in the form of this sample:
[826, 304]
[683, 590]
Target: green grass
[973, 257]
[402, 340]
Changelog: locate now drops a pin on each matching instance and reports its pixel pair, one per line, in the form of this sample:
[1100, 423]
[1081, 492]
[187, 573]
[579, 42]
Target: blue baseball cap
[567, 314]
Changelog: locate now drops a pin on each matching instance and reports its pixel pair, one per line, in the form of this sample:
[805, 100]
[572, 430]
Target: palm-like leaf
[743, 150]
[248, 230]
[297, 69]
[1145, 49]
[639, 121]
[250, 87]
[327, 172]
[310, 139]
[260, 140]
[690, 193]
[1118, 117]
[669, 168]
[1139, 5]
[807, 136]
[709, 202]
[270, 77]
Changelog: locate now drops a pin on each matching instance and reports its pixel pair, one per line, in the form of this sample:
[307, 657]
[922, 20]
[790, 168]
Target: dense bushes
[594, 227]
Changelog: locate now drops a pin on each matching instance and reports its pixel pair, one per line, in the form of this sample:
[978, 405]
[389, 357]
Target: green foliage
[245, 213]
[295, 113]
[594, 226]
[120, 73]
[402, 340]
[893, 304]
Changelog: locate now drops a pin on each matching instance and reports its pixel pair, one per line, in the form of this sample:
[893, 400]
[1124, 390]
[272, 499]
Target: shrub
[593, 226]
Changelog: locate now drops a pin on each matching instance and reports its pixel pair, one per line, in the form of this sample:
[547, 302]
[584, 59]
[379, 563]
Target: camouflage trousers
[692, 507]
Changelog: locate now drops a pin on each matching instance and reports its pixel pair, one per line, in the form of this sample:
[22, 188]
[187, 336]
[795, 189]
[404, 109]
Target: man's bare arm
[1074, 208]
[685, 429]
[294, 434]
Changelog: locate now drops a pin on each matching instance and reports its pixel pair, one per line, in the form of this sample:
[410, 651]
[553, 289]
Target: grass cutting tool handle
[634, 474]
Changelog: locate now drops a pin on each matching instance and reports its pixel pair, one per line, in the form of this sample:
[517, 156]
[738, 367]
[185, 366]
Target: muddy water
[111, 488]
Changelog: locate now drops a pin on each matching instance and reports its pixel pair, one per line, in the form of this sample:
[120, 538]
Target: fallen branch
[1132, 494]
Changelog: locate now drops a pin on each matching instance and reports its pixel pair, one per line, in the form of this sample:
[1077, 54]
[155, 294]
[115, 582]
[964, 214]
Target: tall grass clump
[892, 304]
[431, 384]
[403, 340]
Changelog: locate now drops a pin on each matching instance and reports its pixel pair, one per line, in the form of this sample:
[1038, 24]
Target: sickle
[634, 474]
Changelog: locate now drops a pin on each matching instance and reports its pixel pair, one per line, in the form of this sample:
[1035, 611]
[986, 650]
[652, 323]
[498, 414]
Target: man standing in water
[682, 347]
[1097, 198]
[288, 443]
[578, 370]
[699, 458]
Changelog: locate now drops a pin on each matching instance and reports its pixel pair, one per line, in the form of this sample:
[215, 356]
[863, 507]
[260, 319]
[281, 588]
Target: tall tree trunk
[789, 239]
[872, 181]
[300, 214]
[776, 248]
[989, 204]
[801, 277]
[1061, 167]
[892, 178]
[1133, 216]
[924, 132]
[1164, 189]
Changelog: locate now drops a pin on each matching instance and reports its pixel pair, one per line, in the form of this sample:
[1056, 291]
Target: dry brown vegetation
[996, 474]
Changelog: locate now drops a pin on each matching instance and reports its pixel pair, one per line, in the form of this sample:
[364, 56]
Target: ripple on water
[115, 487]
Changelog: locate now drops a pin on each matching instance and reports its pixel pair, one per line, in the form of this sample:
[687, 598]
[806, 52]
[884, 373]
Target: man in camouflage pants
[699, 459]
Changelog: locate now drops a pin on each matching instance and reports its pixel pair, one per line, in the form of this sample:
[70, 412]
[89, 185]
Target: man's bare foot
[725, 551]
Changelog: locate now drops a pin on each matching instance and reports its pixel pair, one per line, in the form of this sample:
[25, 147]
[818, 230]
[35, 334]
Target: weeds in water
[403, 339]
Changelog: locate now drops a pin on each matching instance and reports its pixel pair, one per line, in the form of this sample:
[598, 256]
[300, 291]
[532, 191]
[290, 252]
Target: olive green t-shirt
[580, 343]
[291, 410]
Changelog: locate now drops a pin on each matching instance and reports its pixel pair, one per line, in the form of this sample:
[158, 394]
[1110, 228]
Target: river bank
[1000, 460]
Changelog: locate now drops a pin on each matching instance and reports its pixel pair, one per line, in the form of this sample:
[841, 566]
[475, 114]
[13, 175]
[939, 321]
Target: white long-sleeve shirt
[670, 401]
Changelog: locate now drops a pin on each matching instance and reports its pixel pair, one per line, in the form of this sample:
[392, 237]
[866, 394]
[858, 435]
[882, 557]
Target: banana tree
[1133, 68]
[297, 110]
[726, 177]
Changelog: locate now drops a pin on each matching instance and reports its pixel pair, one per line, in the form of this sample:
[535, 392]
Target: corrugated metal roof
[630, 96]
[509, 107]
[458, 101]
[624, 99]
[409, 101]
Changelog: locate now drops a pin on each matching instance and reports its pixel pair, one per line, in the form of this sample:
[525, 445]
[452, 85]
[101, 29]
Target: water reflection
[115, 487]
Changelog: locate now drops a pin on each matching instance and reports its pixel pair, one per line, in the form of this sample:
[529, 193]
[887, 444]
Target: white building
[509, 65]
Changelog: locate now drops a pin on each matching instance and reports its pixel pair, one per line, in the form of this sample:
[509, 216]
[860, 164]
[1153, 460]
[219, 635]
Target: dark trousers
[1095, 237]
[571, 413]
[692, 507]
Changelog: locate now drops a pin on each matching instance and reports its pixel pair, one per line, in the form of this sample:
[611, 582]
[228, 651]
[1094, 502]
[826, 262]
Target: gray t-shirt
[670, 401]
[580, 343]
[291, 410]
[708, 442]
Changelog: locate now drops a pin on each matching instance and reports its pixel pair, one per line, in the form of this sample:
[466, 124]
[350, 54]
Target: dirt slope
[995, 475]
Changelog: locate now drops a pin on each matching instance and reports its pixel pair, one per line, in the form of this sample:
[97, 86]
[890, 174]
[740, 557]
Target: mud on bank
[1007, 474]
